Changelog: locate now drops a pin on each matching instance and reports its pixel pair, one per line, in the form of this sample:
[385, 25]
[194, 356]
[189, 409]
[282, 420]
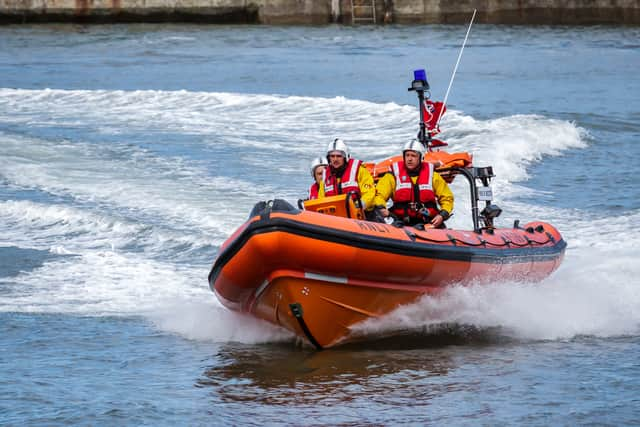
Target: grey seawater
[114, 201]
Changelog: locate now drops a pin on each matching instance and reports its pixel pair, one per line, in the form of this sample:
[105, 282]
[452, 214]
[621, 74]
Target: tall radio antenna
[453, 75]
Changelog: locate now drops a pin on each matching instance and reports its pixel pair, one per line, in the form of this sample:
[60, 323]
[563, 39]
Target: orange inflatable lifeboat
[319, 270]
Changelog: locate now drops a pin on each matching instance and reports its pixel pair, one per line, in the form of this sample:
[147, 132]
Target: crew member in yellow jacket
[345, 174]
[419, 193]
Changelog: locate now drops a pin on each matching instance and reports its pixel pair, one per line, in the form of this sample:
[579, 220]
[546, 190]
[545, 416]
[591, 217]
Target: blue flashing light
[420, 75]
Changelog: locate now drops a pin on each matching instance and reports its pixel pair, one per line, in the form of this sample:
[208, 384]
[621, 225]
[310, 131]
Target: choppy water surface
[128, 154]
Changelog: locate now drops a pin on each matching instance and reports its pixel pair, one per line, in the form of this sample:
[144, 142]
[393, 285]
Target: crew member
[420, 195]
[344, 175]
[318, 165]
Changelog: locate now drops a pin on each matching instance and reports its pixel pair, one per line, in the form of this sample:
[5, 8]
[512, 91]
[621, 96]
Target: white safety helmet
[318, 161]
[414, 145]
[338, 145]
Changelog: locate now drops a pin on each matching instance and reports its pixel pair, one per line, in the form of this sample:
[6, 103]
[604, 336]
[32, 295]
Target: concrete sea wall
[320, 12]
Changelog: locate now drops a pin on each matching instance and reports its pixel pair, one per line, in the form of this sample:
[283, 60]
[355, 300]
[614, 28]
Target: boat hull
[318, 275]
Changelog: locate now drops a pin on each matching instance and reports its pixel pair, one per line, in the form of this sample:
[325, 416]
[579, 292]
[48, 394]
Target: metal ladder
[366, 11]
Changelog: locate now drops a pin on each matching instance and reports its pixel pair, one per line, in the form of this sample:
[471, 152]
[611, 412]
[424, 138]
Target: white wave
[296, 125]
[102, 283]
[70, 230]
[128, 178]
[512, 143]
[27, 223]
[239, 120]
[603, 233]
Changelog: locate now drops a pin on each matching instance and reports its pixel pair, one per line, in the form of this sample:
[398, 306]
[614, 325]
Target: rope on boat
[483, 242]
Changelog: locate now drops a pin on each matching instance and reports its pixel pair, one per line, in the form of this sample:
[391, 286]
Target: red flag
[437, 143]
[432, 113]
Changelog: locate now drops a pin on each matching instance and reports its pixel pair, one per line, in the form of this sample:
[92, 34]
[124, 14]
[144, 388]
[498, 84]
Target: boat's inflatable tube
[286, 265]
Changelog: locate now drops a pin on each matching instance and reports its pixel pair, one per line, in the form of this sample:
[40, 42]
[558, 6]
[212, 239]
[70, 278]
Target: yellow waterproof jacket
[367, 188]
[386, 187]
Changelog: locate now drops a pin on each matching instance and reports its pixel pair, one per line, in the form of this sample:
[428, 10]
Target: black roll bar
[484, 174]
